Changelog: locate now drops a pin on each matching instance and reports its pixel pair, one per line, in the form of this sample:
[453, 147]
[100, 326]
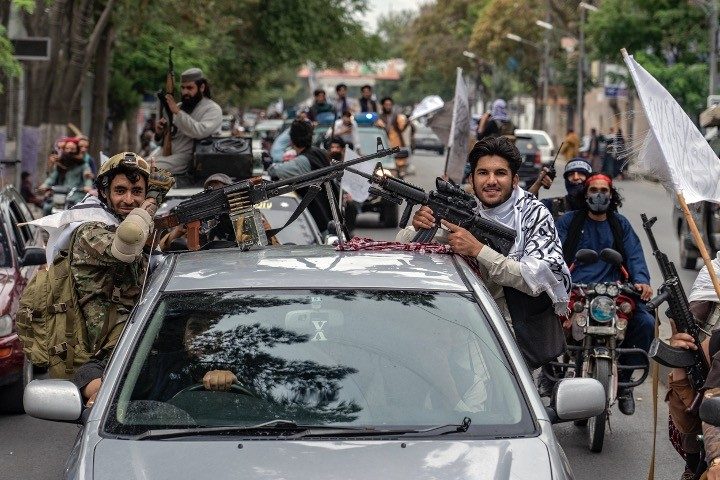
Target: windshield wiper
[365, 432]
[295, 431]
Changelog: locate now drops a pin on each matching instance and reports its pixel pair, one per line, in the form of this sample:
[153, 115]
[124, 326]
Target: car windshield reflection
[324, 358]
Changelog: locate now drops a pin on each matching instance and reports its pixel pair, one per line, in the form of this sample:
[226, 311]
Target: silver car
[355, 365]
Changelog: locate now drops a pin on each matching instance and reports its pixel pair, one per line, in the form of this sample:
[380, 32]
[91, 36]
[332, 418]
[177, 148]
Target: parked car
[425, 139]
[264, 134]
[354, 364]
[707, 219]
[277, 210]
[21, 251]
[532, 160]
[543, 142]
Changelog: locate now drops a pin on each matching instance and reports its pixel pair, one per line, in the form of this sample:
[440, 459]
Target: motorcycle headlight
[600, 289]
[580, 320]
[613, 290]
[602, 309]
[6, 324]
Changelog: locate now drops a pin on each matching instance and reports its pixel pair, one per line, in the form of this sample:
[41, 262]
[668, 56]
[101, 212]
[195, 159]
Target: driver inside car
[168, 370]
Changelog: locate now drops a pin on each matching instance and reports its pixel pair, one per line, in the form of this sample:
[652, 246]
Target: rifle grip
[193, 235]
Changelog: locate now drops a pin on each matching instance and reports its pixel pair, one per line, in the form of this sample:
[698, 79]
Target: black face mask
[336, 155]
[598, 202]
[573, 189]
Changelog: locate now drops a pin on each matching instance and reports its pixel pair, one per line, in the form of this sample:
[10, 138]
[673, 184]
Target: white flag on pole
[675, 151]
[354, 184]
[459, 131]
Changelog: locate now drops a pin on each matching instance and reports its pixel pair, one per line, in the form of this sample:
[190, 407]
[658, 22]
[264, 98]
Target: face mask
[573, 189]
[336, 155]
[598, 202]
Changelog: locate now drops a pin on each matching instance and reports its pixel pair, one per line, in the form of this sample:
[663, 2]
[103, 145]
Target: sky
[376, 8]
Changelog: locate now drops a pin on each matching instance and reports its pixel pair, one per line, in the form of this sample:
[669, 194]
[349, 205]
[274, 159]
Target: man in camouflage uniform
[106, 257]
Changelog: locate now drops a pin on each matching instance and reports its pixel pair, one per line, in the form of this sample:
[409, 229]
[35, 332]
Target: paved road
[36, 449]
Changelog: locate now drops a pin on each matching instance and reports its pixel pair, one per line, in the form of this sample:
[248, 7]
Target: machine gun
[449, 202]
[693, 361]
[238, 200]
[164, 108]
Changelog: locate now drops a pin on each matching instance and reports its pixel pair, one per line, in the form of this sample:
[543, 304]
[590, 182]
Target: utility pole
[580, 107]
[546, 68]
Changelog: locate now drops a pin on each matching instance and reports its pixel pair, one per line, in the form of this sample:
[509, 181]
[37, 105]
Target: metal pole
[580, 76]
[713, 46]
[20, 122]
[546, 79]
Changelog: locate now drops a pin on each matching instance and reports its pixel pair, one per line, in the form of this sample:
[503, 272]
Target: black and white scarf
[537, 245]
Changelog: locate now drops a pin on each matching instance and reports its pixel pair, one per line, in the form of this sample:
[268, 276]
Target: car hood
[319, 460]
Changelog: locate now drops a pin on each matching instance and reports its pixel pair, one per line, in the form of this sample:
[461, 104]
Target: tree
[667, 37]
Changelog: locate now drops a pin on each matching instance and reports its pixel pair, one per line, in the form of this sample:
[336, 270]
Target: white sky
[380, 7]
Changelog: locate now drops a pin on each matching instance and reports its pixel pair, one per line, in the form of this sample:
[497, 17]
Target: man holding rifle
[195, 118]
[535, 264]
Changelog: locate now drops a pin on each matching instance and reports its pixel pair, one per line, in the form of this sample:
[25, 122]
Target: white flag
[459, 131]
[427, 105]
[675, 150]
[353, 183]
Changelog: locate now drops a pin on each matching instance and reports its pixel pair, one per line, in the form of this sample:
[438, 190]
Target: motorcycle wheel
[596, 425]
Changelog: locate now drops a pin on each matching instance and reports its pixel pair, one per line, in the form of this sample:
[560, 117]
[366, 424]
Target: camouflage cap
[191, 75]
[126, 159]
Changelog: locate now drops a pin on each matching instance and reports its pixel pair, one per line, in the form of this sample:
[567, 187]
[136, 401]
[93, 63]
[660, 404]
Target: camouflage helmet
[127, 161]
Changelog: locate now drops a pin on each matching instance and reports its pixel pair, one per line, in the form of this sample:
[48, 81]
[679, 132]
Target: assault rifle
[449, 202]
[238, 200]
[164, 108]
[693, 361]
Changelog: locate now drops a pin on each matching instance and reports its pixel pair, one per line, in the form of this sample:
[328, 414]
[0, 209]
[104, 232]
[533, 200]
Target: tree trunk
[133, 140]
[103, 60]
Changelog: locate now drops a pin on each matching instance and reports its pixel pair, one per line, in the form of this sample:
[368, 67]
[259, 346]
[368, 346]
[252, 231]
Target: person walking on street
[393, 122]
[571, 145]
[594, 151]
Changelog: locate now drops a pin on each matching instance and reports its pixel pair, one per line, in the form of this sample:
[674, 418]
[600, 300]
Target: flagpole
[699, 242]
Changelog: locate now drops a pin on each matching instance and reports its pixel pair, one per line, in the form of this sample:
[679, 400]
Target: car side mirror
[576, 399]
[33, 256]
[56, 400]
[710, 411]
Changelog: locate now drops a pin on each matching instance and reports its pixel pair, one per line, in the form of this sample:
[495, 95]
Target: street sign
[33, 48]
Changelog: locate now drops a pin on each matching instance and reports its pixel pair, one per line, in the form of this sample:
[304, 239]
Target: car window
[368, 143]
[22, 234]
[5, 256]
[278, 211]
[539, 139]
[330, 357]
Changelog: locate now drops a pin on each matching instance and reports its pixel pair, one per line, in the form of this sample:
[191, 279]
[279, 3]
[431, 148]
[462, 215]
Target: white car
[542, 140]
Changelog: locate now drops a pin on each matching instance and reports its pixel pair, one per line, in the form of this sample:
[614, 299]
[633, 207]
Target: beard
[69, 160]
[189, 103]
[336, 156]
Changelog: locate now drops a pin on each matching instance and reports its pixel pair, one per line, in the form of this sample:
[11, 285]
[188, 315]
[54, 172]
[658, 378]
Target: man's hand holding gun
[460, 240]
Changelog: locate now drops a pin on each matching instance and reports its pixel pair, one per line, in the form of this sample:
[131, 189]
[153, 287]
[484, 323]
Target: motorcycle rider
[69, 171]
[195, 118]
[576, 172]
[596, 226]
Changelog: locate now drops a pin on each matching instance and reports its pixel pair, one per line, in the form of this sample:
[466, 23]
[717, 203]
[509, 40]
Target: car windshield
[538, 138]
[368, 144]
[323, 358]
[525, 145]
[278, 211]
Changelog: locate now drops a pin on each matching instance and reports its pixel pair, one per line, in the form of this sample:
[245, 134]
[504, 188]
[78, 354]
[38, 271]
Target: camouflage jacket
[106, 287]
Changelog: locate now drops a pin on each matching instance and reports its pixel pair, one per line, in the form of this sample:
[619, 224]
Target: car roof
[312, 267]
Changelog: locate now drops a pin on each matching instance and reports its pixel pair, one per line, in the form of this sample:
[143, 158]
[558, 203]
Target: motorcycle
[596, 325]
[58, 198]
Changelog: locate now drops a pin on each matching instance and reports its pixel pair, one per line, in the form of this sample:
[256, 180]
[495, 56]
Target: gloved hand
[159, 183]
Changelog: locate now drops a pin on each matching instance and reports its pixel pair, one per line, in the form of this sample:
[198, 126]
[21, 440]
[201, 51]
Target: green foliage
[8, 65]
[667, 37]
